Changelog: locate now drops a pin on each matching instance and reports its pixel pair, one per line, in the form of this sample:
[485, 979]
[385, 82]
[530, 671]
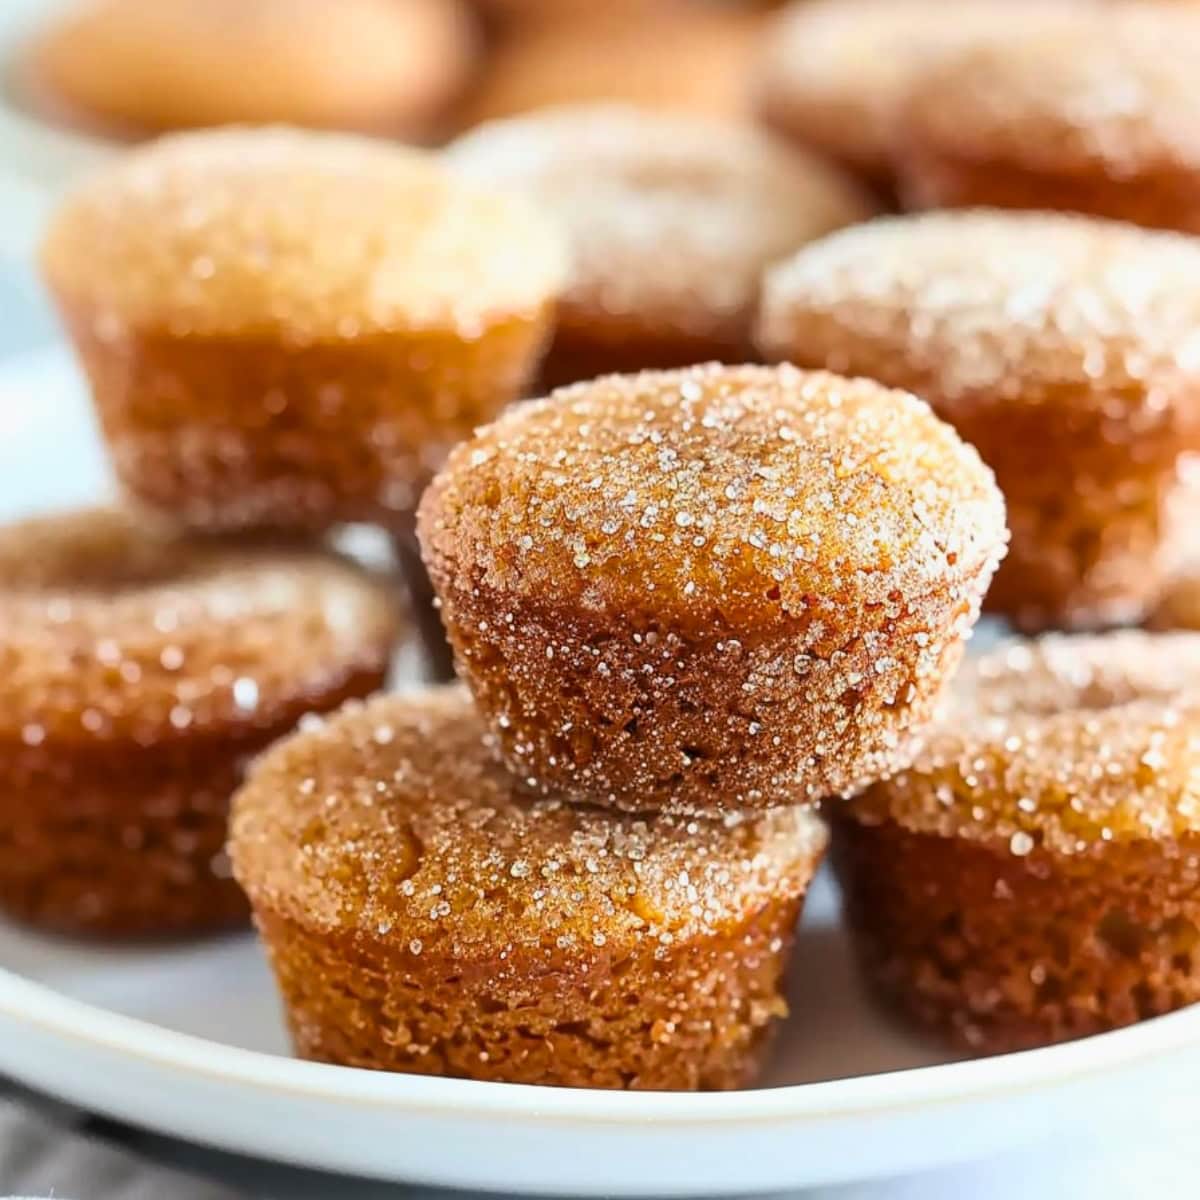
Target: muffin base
[126, 840]
[998, 952]
[645, 719]
[225, 434]
[697, 1018]
[1166, 200]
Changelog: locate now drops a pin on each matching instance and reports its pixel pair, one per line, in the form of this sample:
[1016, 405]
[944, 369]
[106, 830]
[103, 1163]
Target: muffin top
[300, 235]
[834, 71]
[1120, 95]
[976, 306]
[671, 219]
[147, 65]
[111, 629]
[395, 818]
[717, 498]
[1064, 743]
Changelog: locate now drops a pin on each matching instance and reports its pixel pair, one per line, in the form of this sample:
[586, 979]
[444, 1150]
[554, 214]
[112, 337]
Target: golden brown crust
[1063, 348]
[155, 65]
[424, 915]
[833, 72]
[1032, 876]
[713, 587]
[671, 221]
[1100, 120]
[140, 672]
[289, 330]
[998, 953]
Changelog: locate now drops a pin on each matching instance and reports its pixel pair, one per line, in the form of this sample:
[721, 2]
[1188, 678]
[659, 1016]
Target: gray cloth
[45, 1152]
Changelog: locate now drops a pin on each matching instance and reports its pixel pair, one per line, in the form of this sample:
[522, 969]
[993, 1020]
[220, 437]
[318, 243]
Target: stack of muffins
[697, 610]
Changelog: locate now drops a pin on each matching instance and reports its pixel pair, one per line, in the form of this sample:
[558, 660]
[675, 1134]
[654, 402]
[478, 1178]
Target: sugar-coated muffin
[288, 329]
[422, 914]
[1066, 349]
[139, 672]
[1099, 120]
[671, 221]
[1035, 876]
[833, 73]
[711, 589]
[692, 58]
[144, 66]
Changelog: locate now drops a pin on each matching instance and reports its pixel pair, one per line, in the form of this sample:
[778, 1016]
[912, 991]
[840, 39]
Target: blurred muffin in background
[833, 72]
[144, 66]
[671, 221]
[690, 57]
[289, 329]
[1103, 119]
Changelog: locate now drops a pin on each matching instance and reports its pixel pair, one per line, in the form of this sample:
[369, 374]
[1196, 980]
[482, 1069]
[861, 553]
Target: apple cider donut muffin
[1035, 876]
[1066, 349]
[287, 329]
[710, 589]
[422, 914]
[142, 66]
[138, 673]
[671, 222]
[834, 72]
[1102, 120]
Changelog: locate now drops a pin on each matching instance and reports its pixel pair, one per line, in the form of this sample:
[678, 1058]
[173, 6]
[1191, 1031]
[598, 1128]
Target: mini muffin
[688, 58]
[1101, 120]
[141, 66]
[1066, 349]
[1035, 876]
[832, 73]
[712, 589]
[287, 329]
[422, 914]
[671, 220]
[138, 674]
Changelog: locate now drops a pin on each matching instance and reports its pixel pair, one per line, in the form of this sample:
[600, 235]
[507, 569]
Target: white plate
[188, 1040]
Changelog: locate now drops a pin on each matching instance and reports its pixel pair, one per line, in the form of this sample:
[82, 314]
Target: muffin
[832, 73]
[1100, 120]
[671, 221]
[710, 590]
[139, 672]
[288, 330]
[422, 914]
[145, 66]
[1064, 348]
[1034, 876]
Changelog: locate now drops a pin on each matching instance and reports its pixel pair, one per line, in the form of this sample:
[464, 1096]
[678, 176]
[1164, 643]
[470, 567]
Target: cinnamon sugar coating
[1100, 119]
[138, 674]
[1064, 348]
[289, 329]
[423, 915]
[671, 222]
[138, 66]
[833, 72]
[1035, 875]
[709, 589]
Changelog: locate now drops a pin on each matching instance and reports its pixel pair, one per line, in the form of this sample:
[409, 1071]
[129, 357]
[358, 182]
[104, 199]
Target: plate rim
[25, 1002]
